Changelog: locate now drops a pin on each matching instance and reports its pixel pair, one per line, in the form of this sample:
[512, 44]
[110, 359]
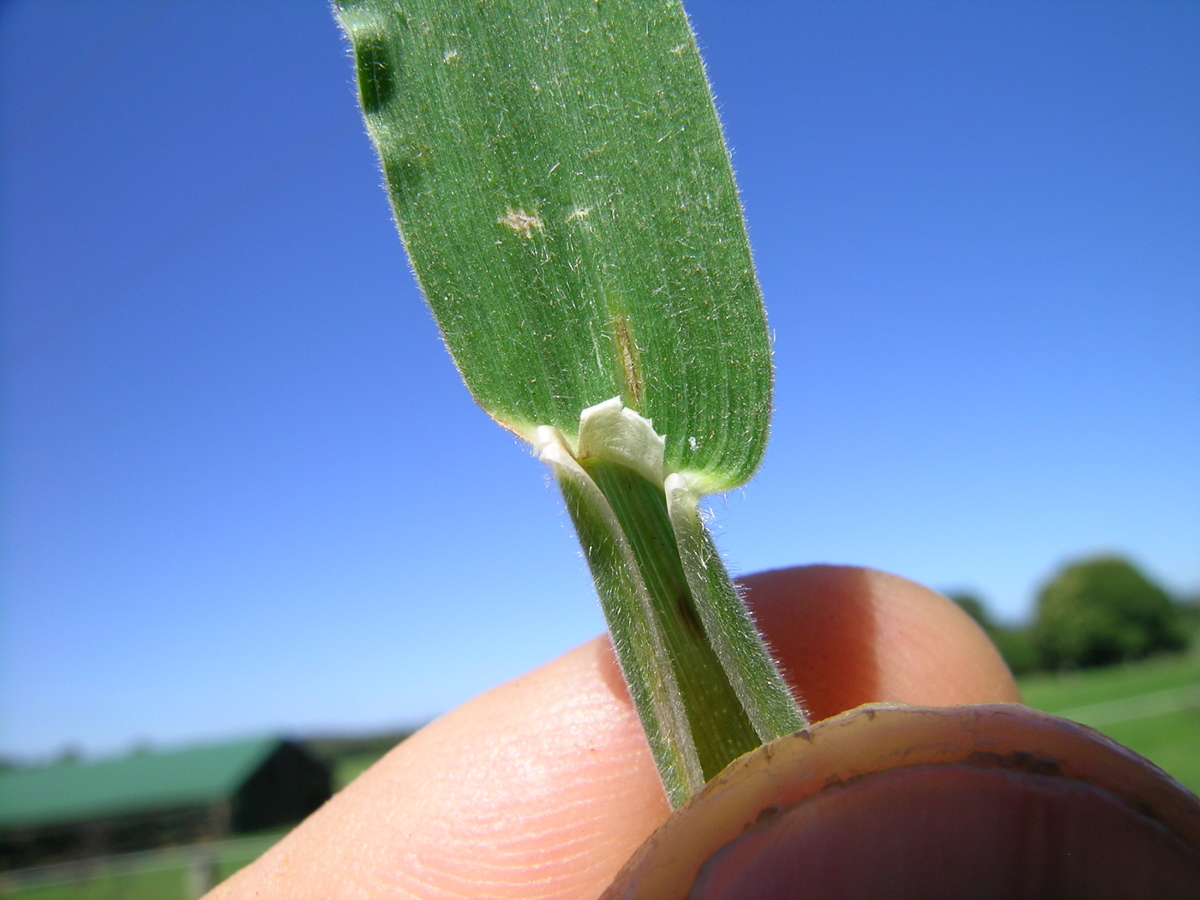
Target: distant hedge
[1101, 611]
[1093, 612]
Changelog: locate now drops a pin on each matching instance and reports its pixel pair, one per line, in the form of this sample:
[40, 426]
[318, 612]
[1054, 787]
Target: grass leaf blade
[560, 179]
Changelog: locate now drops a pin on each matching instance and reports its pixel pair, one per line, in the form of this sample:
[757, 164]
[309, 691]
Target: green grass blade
[752, 672]
[559, 177]
[634, 627]
[563, 190]
[719, 725]
[704, 684]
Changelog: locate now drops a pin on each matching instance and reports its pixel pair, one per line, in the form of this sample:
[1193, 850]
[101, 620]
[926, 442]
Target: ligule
[702, 680]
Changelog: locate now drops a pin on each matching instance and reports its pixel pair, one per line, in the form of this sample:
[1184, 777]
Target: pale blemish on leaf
[579, 213]
[450, 56]
[521, 222]
[627, 356]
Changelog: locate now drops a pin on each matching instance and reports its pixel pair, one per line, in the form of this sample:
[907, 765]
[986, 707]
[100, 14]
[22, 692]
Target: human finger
[544, 786]
[846, 635]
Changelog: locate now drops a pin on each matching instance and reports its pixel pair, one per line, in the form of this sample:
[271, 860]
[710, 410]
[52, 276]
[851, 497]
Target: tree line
[1093, 612]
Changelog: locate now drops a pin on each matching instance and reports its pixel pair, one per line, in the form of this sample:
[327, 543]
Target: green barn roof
[74, 792]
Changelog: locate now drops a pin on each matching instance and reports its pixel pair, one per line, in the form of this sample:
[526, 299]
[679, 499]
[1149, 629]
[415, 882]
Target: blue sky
[244, 490]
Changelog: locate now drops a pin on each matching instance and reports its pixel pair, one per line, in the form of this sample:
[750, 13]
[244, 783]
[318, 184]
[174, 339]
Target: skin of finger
[544, 786]
[539, 788]
[847, 636]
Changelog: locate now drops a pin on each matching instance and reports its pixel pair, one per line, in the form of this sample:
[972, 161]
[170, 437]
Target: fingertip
[542, 785]
[846, 635]
[549, 777]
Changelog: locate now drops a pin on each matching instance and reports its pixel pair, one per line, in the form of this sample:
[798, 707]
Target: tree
[1104, 610]
[1189, 611]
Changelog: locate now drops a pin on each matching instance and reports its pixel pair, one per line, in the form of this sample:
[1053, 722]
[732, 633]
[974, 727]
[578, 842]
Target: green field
[1152, 707]
[168, 874]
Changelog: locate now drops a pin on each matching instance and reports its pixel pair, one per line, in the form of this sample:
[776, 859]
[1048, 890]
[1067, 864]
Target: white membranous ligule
[612, 432]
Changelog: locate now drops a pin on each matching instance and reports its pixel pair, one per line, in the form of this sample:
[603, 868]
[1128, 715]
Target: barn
[73, 810]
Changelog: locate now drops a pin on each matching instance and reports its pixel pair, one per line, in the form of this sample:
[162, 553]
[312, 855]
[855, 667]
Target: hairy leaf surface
[560, 180]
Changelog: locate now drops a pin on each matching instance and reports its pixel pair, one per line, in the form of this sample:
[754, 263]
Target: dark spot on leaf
[376, 80]
[405, 171]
